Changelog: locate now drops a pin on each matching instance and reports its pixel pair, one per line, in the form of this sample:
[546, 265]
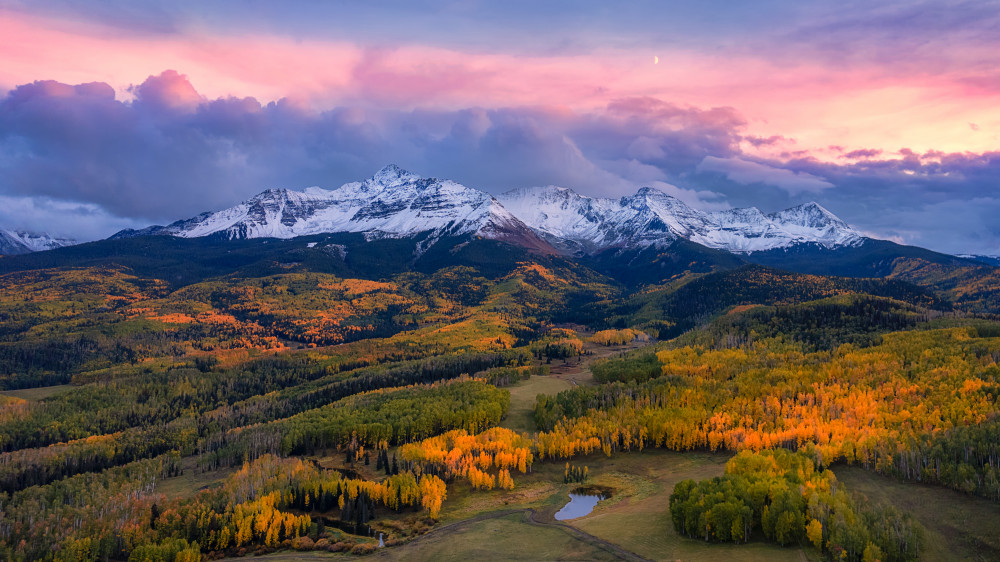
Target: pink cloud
[808, 100]
[169, 90]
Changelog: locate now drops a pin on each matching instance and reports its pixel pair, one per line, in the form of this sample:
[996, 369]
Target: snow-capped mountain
[392, 203]
[582, 224]
[13, 242]
[398, 204]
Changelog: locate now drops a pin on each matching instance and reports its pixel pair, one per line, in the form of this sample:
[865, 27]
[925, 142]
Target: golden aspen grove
[438, 280]
[272, 408]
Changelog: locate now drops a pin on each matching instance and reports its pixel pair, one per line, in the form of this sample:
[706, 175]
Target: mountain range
[395, 203]
[396, 222]
[586, 225]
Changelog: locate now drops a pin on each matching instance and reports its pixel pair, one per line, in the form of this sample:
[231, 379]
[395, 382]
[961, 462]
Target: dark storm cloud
[944, 201]
[171, 153]
[79, 143]
[676, 138]
[748, 172]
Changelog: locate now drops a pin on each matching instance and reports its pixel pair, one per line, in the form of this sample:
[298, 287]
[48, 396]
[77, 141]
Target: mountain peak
[271, 193]
[647, 191]
[812, 215]
[393, 174]
[647, 195]
[553, 189]
[658, 202]
[813, 207]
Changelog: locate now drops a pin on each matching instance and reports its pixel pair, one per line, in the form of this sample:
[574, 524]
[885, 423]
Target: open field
[572, 371]
[562, 375]
[518, 524]
[507, 537]
[192, 481]
[38, 393]
[638, 516]
[294, 556]
[576, 371]
[520, 417]
[504, 538]
[958, 526]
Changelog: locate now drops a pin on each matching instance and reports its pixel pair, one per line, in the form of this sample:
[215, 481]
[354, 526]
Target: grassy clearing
[520, 417]
[572, 371]
[563, 375]
[294, 556]
[504, 538]
[638, 516]
[576, 370]
[958, 526]
[192, 481]
[40, 393]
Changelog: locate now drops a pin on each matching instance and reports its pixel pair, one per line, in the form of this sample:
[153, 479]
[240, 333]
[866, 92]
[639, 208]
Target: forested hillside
[160, 410]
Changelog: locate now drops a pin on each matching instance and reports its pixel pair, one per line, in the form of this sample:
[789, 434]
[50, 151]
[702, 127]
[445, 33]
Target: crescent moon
[656, 60]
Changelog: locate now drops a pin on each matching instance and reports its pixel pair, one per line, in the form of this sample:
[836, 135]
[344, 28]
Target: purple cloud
[862, 153]
[767, 141]
[746, 172]
[75, 156]
[171, 153]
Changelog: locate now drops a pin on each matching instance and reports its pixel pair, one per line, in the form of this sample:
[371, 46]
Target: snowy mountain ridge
[392, 203]
[397, 203]
[14, 242]
[651, 217]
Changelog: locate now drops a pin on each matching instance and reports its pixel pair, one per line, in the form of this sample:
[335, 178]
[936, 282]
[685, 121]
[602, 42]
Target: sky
[118, 113]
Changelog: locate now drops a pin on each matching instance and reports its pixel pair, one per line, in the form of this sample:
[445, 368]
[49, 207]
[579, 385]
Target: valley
[226, 388]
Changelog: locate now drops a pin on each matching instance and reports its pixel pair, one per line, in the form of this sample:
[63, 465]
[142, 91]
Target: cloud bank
[85, 160]
[880, 75]
[749, 173]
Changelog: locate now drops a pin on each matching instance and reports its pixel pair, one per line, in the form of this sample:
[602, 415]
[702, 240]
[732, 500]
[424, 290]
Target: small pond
[581, 502]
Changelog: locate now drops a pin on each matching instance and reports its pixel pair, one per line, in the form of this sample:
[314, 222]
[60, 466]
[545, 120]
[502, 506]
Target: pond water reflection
[580, 504]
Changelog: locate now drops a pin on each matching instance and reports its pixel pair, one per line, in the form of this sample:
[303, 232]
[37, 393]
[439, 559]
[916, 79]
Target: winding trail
[530, 517]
